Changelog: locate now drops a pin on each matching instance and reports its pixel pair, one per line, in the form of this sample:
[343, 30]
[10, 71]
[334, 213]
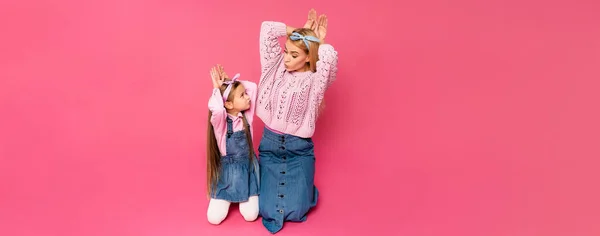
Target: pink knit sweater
[288, 101]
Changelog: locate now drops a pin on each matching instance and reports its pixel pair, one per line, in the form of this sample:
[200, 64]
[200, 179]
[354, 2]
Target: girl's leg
[217, 211]
[249, 209]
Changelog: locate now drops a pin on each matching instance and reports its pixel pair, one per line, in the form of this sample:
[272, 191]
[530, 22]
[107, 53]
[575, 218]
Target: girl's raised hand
[216, 77]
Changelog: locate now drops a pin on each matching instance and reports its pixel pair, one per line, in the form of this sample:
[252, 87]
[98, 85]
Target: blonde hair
[312, 52]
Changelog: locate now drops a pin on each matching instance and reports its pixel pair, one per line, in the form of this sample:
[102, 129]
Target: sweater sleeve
[326, 70]
[270, 50]
[218, 118]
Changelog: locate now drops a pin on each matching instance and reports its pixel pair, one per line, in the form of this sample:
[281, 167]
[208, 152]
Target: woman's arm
[270, 50]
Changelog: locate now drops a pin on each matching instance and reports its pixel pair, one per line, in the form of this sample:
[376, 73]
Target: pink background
[448, 118]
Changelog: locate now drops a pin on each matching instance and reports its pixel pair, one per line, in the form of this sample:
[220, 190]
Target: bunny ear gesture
[321, 27]
[222, 72]
[311, 22]
[318, 25]
[215, 75]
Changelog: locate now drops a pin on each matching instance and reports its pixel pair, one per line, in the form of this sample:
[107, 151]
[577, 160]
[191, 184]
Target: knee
[250, 209]
[215, 218]
[250, 214]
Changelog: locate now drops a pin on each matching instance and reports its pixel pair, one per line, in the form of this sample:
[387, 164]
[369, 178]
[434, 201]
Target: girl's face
[295, 58]
[241, 100]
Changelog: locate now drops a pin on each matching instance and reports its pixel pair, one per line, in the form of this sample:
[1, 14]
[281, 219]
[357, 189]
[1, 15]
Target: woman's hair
[213, 159]
[313, 52]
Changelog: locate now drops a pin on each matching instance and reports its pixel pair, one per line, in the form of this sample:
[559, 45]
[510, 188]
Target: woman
[291, 88]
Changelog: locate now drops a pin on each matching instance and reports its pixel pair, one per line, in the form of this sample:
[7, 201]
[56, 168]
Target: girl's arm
[219, 114]
[251, 90]
[216, 106]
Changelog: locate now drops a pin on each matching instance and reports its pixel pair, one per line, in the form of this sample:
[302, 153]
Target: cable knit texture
[288, 101]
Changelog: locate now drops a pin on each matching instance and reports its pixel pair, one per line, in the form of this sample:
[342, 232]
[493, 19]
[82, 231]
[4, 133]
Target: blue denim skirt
[287, 169]
[238, 179]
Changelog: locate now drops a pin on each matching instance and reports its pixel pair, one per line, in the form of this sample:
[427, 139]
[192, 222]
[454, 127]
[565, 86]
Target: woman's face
[295, 58]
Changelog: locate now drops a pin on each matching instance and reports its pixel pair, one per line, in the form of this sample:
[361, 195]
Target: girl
[231, 164]
[291, 89]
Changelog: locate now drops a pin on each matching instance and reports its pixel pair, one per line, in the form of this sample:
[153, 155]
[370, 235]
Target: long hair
[213, 158]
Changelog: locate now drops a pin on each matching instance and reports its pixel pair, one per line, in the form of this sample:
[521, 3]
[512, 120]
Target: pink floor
[448, 118]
